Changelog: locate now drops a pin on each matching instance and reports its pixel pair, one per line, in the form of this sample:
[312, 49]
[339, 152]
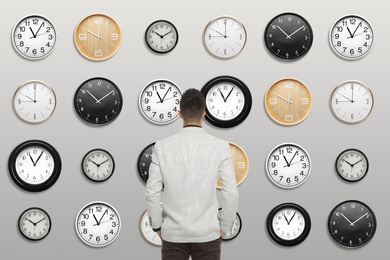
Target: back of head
[192, 105]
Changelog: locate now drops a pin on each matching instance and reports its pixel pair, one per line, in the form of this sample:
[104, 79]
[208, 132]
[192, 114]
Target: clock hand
[103, 222]
[31, 159]
[293, 157]
[229, 94]
[357, 162]
[289, 95]
[39, 221]
[356, 29]
[32, 33]
[159, 98]
[166, 34]
[287, 36]
[347, 98]
[218, 32]
[295, 163]
[39, 158]
[224, 99]
[287, 165]
[169, 89]
[282, 98]
[95, 163]
[296, 31]
[353, 223]
[31, 222]
[36, 34]
[39, 35]
[291, 218]
[106, 211]
[98, 101]
[286, 219]
[348, 162]
[356, 35]
[97, 222]
[102, 163]
[94, 34]
[27, 97]
[158, 34]
[349, 32]
[35, 94]
[166, 99]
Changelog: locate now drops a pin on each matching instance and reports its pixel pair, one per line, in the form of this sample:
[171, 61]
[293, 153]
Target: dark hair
[192, 105]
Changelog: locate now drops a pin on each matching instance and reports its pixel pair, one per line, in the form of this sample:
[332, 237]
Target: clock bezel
[139, 160]
[362, 155]
[171, 25]
[86, 157]
[31, 209]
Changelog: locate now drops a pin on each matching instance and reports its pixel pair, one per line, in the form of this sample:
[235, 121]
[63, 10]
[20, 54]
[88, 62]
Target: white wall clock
[147, 230]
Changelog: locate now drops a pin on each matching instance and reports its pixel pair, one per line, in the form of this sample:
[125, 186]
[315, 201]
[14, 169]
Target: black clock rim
[139, 160]
[119, 108]
[20, 217]
[368, 209]
[307, 24]
[341, 176]
[151, 25]
[30, 187]
[245, 111]
[113, 164]
[239, 230]
[304, 233]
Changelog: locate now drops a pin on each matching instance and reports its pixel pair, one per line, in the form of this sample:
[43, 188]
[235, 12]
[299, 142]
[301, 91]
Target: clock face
[98, 224]
[147, 230]
[351, 37]
[144, 161]
[288, 224]
[34, 101]
[288, 165]
[98, 101]
[240, 163]
[98, 37]
[352, 224]
[98, 165]
[288, 36]
[352, 101]
[228, 101]
[352, 165]
[161, 36]
[225, 37]
[235, 229]
[34, 224]
[34, 37]
[34, 165]
[288, 101]
[159, 101]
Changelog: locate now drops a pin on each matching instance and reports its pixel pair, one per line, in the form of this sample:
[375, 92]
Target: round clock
[235, 229]
[159, 101]
[144, 161]
[288, 224]
[98, 224]
[288, 165]
[225, 37]
[98, 165]
[240, 163]
[351, 37]
[352, 224]
[98, 101]
[34, 165]
[352, 101]
[34, 224]
[228, 101]
[147, 230]
[161, 36]
[34, 37]
[98, 37]
[352, 165]
[288, 36]
[288, 101]
[34, 101]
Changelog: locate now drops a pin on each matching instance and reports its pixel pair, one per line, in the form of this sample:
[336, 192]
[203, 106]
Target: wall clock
[159, 101]
[352, 165]
[288, 224]
[98, 224]
[144, 161]
[147, 230]
[288, 165]
[240, 163]
[288, 36]
[225, 37]
[352, 224]
[98, 165]
[34, 37]
[161, 36]
[288, 101]
[235, 229]
[98, 37]
[228, 101]
[98, 101]
[351, 37]
[34, 224]
[352, 101]
[34, 165]
[34, 101]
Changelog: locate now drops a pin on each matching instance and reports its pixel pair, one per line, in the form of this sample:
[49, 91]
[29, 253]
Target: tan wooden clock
[288, 101]
[98, 37]
[240, 162]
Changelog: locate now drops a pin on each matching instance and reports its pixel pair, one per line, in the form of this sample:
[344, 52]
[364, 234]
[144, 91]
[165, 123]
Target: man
[188, 164]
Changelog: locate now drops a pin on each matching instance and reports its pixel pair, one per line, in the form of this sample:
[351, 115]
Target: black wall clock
[34, 224]
[98, 101]
[161, 36]
[144, 161]
[235, 229]
[228, 101]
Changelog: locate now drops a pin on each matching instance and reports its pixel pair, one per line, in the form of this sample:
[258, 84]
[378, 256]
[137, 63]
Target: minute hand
[98, 101]
[296, 31]
[352, 224]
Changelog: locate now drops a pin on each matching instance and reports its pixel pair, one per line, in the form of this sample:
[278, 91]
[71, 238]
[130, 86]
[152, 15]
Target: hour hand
[351, 224]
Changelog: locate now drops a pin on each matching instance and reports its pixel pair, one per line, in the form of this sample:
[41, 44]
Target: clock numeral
[98, 20]
[82, 36]
[98, 53]
[114, 36]
[273, 101]
[304, 101]
[288, 117]
[241, 165]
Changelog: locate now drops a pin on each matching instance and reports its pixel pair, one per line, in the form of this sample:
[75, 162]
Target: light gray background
[190, 65]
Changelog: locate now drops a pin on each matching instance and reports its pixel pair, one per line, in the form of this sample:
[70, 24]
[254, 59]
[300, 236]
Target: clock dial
[159, 101]
[288, 101]
[147, 230]
[161, 36]
[98, 224]
[98, 165]
[352, 165]
[98, 101]
[228, 101]
[144, 161]
[352, 101]
[34, 224]
[351, 37]
[34, 165]
[288, 36]
[352, 224]
[34, 37]
[225, 37]
[34, 101]
[288, 165]
[98, 37]
[235, 229]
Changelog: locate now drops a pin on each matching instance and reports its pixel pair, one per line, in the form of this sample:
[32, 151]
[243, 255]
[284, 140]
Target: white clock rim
[143, 216]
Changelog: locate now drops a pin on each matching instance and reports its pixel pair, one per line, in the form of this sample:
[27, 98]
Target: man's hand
[222, 234]
[159, 233]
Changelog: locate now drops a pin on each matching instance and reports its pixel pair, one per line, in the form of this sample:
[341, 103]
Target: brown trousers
[198, 251]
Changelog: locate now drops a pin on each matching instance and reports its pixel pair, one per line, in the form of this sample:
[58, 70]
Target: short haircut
[192, 105]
